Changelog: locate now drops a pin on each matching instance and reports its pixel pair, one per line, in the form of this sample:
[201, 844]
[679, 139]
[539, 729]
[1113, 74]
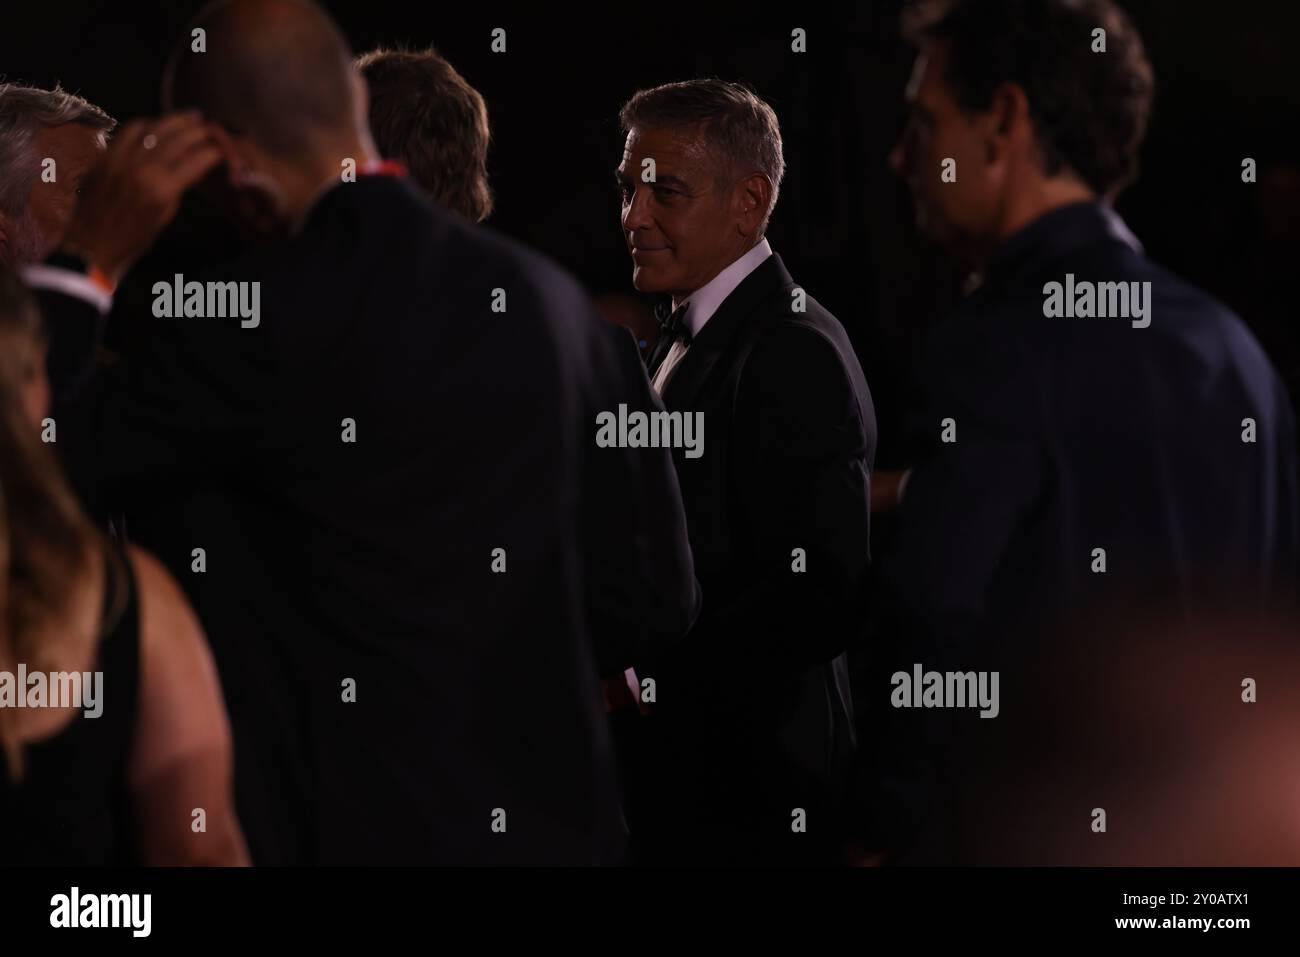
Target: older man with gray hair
[49, 141]
[752, 729]
[73, 221]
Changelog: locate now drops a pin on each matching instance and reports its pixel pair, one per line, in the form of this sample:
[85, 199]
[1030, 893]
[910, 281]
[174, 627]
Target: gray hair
[24, 112]
[734, 120]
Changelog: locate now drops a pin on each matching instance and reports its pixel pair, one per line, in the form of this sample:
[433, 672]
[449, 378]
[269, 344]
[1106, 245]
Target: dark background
[1228, 87]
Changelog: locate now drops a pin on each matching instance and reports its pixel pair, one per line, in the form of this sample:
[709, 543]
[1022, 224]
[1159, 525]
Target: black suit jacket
[333, 563]
[753, 716]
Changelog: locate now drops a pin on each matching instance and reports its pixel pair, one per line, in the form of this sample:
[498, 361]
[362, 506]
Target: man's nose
[636, 215]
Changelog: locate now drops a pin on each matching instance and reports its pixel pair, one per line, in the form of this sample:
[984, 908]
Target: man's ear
[753, 193]
[1009, 124]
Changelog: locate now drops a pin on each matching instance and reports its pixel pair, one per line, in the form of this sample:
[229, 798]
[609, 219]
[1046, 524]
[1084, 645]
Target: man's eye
[664, 195]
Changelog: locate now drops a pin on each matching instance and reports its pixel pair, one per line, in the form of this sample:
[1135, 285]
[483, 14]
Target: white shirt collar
[704, 302]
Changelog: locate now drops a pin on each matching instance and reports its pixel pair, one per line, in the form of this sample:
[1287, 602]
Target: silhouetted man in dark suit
[1101, 438]
[752, 722]
[377, 473]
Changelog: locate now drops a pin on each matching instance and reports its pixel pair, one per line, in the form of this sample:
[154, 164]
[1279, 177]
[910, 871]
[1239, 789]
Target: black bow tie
[674, 323]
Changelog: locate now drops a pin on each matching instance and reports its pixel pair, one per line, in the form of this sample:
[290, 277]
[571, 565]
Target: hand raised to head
[133, 193]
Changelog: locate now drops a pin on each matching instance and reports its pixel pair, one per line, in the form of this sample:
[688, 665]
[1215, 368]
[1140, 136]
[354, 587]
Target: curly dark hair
[1089, 109]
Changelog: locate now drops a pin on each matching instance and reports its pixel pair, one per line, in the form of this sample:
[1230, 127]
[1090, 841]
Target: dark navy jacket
[1164, 454]
[1079, 434]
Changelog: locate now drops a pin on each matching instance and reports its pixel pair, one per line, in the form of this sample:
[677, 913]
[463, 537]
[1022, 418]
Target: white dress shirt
[704, 302]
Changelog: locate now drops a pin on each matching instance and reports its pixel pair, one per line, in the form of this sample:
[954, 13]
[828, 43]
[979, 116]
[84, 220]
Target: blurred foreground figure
[49, 140]
[375, 470]
[111, 718]
[1142, 744]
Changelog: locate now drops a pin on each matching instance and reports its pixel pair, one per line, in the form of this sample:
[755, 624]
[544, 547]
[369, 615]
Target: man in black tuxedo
[752, 722]
[1101, 440]
[386, 455]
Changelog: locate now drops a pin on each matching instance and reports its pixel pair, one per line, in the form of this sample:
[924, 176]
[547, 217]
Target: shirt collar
[704, 302]
[1058, 232]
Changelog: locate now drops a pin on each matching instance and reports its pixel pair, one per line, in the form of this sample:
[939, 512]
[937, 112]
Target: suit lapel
[719, 332]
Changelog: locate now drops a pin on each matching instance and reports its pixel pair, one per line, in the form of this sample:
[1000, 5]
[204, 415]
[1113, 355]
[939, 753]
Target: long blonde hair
[50, 553]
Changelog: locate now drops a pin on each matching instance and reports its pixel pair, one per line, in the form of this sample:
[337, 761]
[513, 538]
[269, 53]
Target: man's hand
[135, 189]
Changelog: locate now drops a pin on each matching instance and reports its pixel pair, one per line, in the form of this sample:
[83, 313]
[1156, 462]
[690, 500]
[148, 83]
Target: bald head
[276, 71]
